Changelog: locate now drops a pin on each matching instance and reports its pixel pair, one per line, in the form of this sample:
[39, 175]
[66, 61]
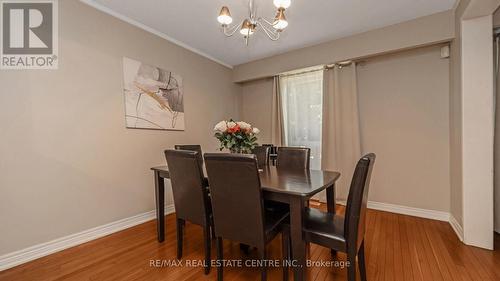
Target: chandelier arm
[266, 21]
[230, 31]
[273, 35]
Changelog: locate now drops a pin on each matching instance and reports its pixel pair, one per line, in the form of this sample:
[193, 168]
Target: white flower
[231, 124]
[244, 125]
[221, 126]
[255, 130]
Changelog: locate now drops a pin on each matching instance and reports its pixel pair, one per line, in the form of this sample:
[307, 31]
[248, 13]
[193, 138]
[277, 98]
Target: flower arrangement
[238, 137]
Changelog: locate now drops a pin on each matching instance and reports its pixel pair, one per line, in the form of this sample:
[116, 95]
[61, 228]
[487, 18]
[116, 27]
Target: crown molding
[149, 29]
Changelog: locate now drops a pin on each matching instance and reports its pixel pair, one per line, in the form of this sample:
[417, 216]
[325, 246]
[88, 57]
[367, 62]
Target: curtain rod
[341, 64]
[301, 72]
[325, 67]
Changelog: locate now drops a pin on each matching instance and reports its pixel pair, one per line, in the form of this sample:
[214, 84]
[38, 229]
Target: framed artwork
[154, 97]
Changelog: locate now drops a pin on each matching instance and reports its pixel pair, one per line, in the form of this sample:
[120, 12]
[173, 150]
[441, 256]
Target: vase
[235, 150]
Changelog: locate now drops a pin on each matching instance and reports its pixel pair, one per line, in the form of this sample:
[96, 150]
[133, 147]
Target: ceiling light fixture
[282, 3]
[247, 27]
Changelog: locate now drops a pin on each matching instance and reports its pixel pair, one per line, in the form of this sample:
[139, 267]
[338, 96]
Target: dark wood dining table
[293, 187]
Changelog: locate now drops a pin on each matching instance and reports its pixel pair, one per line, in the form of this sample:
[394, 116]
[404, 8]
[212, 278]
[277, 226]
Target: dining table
[291, 186]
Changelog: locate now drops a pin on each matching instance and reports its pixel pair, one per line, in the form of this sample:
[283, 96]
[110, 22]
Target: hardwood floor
[398, 248]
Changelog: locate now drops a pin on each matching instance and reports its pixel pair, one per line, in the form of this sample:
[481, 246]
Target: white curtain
[341, 145]
[301, 95]
[277, 124]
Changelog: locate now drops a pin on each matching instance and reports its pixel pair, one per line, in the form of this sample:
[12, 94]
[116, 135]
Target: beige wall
[404, 101]
[480, 8]
[403, 105]
[496, 18]
[423, 31]
[67, 162]
[256, 96]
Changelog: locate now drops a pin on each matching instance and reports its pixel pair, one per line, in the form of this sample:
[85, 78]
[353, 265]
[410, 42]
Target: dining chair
[262, 154]
[272, 153]
[191, 147]
[272, 147]
[345, 233]
[293, 157]
[191, 197]
[238, 207]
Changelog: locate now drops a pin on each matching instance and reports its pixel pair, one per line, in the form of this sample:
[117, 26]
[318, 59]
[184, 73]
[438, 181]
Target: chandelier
[247, 27]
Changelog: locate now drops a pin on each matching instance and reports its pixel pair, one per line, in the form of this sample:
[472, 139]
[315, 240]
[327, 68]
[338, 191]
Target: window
[302, 96]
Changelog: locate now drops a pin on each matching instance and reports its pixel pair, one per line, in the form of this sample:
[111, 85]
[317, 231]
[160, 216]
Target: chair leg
[220, 258]
[263, 268]
[180, 237]
[362, 261]
[245, 248]
[290, 248]
[285, 253]
[207, 242]
[333, 253]
[212, 229]
[351, 269]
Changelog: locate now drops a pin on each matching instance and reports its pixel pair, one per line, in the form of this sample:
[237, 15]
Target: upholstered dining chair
[293, 157]
[262, 154]
[191, 147]
[238, 207]
[345, 233]
[272, 153]
[191, 197]
[272, 147]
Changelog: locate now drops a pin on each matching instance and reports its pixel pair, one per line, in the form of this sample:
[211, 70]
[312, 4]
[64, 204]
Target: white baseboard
[457, 228]
[417, 212]
[44, 249]
[404, 210]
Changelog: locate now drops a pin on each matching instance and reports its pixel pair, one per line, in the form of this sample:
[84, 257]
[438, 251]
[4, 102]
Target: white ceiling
[193, 24]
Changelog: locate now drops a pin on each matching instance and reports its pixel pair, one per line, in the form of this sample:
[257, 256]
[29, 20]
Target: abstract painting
[154, 97]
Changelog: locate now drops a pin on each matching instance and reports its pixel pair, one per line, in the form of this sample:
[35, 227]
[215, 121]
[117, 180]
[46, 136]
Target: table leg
[160, 206]
[298, 244]
[330, 199]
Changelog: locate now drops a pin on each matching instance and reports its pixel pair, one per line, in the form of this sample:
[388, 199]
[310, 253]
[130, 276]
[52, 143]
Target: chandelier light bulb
[247, 28]
[224, 17]
[280, 21]
[284, 4]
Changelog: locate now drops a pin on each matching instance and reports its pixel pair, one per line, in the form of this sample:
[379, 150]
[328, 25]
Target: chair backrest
[355, 214]
[262, 153]
[272, 147]
[293, 157]
[191, 147]
[190, 195]
[236, 196]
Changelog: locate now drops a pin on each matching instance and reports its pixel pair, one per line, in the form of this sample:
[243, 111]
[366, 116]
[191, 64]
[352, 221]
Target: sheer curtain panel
[301, 95]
